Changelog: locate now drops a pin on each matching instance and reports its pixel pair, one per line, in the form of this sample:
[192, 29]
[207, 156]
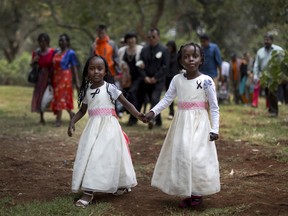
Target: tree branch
[141, 22]
[67, 26]
[158, 13]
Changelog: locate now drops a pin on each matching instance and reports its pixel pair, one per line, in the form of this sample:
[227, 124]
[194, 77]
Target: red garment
[62, 86]
[45, 68]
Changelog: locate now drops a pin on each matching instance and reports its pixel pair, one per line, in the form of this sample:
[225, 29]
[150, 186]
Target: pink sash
[192, 105]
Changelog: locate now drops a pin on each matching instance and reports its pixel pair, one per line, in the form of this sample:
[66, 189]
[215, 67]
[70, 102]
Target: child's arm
[130, 108]
[210, 91]
[76, 118]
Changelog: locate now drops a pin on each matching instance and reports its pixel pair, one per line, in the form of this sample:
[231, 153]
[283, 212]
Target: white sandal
[121, 191]
[84, 203]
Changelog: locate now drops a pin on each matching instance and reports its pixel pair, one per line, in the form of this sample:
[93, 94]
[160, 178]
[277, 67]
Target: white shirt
[262, 58]
[225, 68]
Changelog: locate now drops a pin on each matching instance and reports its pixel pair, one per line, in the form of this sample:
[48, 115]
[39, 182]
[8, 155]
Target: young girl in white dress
[188, 165]
[103, 162]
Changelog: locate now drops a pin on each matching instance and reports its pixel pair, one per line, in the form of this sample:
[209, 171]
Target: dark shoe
[192, 201]
[42, 122]
[58, 124]
[151, 124]
[272, 114]
[196, 200]
[159, 124]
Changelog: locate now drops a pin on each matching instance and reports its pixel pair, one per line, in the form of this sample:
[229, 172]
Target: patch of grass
[57, 207]
[253, 125]
[144, 172]
[282, 154]
[228, 211]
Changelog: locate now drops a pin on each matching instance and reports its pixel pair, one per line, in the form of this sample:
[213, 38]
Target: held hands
[150, 80]
[146, 117]
[149, 116]
[213, 136]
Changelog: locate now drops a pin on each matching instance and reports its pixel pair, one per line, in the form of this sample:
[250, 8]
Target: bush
[276, 71]
[15, 73]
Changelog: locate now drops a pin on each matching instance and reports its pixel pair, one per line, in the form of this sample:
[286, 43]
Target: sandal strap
[121, 191]
[88, 193]
[82, 203]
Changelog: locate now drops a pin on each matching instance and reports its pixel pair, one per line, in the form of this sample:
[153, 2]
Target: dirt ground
[253, 182]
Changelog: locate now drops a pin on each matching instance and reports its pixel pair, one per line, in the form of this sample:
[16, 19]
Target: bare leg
[42, 121]
[58, 118]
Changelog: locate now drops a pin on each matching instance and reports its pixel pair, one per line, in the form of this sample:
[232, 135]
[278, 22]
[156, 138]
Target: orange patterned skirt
[63, 90]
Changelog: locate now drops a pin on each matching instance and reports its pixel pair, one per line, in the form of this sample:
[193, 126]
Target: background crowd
[144, 70]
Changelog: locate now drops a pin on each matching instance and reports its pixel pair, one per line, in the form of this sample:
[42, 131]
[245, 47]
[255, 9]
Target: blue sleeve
[72, 58]
[218, 56]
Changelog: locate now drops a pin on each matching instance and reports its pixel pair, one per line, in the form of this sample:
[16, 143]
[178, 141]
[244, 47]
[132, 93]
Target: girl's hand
[141, 117]
[149, 116]
[71, 129]
[213, 136]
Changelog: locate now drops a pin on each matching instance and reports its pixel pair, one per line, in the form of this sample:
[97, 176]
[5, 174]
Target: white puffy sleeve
[115, 92]
[210, 91]
[167, 100]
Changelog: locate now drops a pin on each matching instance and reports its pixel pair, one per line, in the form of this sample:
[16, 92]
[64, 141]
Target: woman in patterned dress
[65, 67]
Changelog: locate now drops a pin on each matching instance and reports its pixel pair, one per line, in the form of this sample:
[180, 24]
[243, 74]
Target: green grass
[58, 207]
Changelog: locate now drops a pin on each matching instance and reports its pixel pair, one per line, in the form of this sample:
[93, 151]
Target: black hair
[67, 38]
[155, 29]
[204, 37]
[129, 35]
[45, 37]
[179, 54]
[102, 27]
[172, 44]
[85, 80]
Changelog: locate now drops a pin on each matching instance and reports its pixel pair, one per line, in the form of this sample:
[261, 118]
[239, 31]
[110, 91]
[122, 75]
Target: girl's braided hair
[179, 54]
[85, 80]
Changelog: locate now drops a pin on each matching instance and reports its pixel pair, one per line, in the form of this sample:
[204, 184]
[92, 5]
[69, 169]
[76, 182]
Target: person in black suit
[155, 62]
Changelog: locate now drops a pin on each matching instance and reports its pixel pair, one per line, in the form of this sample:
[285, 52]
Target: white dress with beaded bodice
[103, 162]
[188, 162]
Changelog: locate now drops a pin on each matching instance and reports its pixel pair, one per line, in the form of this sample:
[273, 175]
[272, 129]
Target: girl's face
[96, 71]
[191, 58]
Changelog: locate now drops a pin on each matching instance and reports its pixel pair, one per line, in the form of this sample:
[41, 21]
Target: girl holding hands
[188, 164]
[103, 162]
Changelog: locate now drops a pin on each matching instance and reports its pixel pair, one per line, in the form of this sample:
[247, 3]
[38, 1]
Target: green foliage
[276, 71]
[16, 72]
